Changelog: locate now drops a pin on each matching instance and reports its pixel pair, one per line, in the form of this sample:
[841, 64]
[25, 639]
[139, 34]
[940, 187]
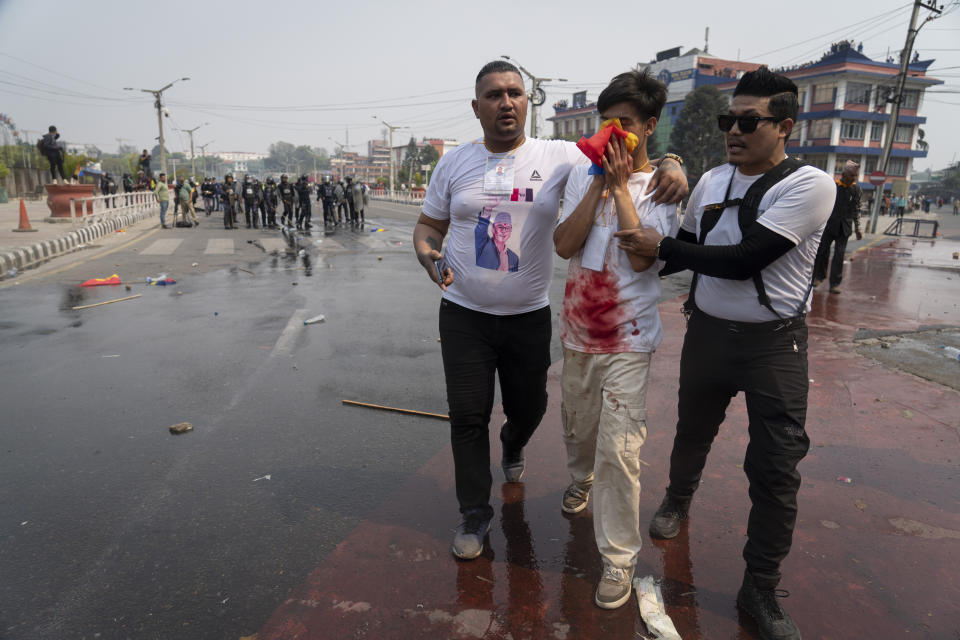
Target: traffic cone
[24, 221]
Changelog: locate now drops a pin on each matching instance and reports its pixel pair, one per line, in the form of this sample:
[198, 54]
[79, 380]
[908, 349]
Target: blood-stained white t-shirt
[613, 309]
[500, 245]
[796, 208]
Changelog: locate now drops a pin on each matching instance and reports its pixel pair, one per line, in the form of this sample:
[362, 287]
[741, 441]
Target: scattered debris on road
[98, 304]
[412, 412]
[266, 477]
[181, 427]
[315, 320]
[652, 610]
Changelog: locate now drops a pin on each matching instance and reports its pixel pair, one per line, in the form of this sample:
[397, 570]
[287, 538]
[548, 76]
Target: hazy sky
[317, 72]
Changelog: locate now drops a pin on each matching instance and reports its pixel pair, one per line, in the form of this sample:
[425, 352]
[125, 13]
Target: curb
[31, 255]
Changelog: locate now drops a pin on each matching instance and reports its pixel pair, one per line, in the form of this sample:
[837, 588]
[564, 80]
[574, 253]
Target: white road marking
[219, 246]
[284, 344]
[163, 247]
[274, 244]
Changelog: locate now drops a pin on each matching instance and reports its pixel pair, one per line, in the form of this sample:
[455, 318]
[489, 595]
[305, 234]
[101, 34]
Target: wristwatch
[656, 252]
[673, 156]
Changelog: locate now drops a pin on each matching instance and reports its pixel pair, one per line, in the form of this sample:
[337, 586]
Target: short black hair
[162, 175]
[781, 90]
[51, 128]
[640, 89]
[497, 66]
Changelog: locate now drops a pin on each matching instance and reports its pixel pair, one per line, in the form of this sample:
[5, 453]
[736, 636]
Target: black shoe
[761, 604]
[666, 521]
[512, 463]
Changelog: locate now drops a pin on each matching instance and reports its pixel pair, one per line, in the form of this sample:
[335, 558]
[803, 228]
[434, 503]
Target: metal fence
[87, 211]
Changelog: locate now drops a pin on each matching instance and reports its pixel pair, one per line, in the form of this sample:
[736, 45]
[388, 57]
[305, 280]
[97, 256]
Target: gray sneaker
[614, 588]
[575, 498]
[468, 540]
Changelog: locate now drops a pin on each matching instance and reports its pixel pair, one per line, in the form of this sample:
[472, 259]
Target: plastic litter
[315, 320]
[99, 282]
[844, 479]
[11, 273]
[652, 610]
[266, 477]
[951, 352]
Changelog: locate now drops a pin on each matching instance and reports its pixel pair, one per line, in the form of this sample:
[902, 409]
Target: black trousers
[304, 216]
[250, 211]
[839, 241]
[770, 367]
[287, 212]
[475, 347]
[328, 215]
[228, 214]
[56, 164]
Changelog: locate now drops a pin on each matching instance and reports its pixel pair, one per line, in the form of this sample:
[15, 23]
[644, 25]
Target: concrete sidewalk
[875, 546]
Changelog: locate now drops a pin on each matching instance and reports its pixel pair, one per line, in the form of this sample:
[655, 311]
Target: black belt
[736, 326]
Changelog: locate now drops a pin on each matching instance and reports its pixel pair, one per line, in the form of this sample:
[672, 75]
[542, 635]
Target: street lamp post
[203, 152]
[392, 128]
[157, 102]
[189, 132]
[537, 95]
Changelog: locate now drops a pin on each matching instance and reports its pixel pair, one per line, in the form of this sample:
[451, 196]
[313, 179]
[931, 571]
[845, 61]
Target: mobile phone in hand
[438, 267]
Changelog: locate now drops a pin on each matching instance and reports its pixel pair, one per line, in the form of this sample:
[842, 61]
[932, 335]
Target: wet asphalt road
[111, 527]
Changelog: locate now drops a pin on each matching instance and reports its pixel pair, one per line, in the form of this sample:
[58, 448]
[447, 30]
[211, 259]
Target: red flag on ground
[97, 282]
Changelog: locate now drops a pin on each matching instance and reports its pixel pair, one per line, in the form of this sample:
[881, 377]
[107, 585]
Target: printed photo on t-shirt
[496, 240]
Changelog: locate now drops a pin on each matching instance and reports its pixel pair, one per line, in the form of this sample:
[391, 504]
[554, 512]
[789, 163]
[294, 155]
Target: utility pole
[537, 95]
[897, 98]
[189, 132]
[158, 103]
[392, 128]
[203, 151]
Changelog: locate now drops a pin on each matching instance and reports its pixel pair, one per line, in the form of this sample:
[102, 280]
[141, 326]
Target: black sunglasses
[746, 124]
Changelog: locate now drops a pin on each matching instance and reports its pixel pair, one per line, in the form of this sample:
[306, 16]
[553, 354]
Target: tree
[281, 157]
[695, 135]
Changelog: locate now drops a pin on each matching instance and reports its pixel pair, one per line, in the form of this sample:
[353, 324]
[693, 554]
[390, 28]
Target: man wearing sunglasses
[746, 329]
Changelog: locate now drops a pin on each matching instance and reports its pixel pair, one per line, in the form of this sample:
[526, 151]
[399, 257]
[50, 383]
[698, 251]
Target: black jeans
[56, 164]
[770, 367]
[476, 346]
[839, 241]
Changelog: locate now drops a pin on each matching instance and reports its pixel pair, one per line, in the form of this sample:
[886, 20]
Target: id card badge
[595, 248]
[498, 176]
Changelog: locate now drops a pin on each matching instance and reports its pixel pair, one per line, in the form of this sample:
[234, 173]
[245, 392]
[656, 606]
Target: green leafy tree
[695, 135]
[281, 157]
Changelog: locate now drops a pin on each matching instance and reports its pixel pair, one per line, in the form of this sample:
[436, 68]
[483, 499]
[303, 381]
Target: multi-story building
[845, 108]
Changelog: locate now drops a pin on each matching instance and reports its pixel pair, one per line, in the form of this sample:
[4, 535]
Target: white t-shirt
[796, 208]
[613, 309]
[500, 247]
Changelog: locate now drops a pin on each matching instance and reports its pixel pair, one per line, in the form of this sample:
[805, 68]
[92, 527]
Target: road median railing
[398, 197]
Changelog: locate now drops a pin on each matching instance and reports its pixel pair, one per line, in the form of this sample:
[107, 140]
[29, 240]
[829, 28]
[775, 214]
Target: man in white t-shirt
[498, 198]
[746, 330]
[610, 326]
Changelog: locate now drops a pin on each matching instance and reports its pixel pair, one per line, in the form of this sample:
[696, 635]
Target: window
[903, 133]
[820, 129]
[802, 98]
[817, 160]
[858, 93]
[910, 99]
[823, 93]
[897, 166]
[853, 129]
[870, 165]
[876, 132]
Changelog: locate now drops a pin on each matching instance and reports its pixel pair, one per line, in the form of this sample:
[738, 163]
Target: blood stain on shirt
[591, 302]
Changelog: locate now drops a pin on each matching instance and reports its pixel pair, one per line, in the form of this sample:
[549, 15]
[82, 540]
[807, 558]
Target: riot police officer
[287, 195]
[270, 204]
[249, 201]
[230, 200]
[303, 190]
[325, 196]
